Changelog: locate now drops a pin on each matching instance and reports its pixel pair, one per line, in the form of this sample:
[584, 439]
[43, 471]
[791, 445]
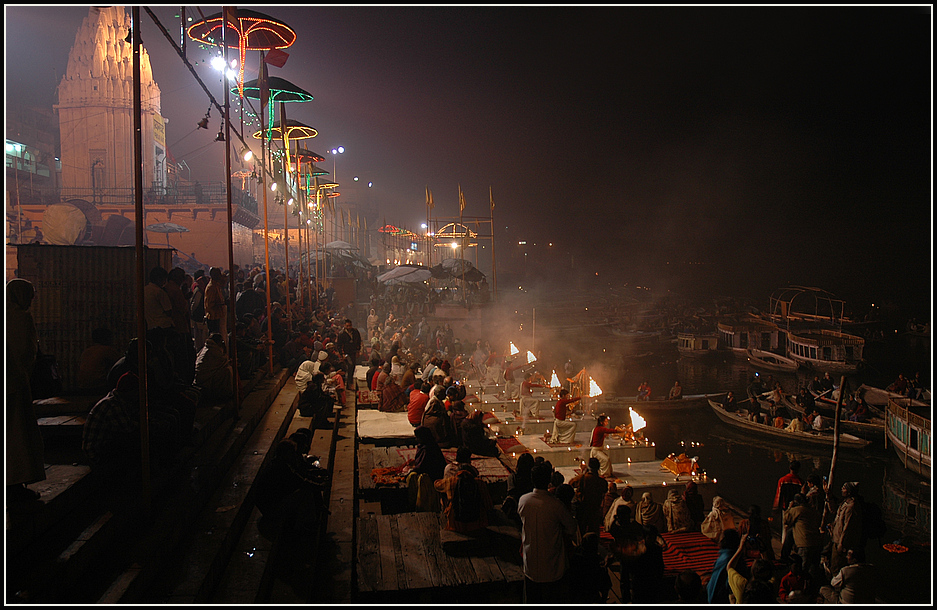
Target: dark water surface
[747, 468]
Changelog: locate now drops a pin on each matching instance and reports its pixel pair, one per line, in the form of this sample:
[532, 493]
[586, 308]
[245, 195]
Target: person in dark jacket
[475, 436]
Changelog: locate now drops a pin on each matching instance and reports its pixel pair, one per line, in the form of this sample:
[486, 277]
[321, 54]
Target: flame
[530, 357]
[637, 422]
[594, 389]
[514, 350]
[554, 381]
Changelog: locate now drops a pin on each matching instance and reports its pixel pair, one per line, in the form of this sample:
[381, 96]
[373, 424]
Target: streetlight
[338, 150]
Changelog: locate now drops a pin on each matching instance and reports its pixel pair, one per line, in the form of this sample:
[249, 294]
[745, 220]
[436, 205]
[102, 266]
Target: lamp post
[338, 150]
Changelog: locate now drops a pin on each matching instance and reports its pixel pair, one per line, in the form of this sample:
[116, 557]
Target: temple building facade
[77, 186]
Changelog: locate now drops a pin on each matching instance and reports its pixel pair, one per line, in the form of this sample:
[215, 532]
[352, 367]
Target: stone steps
[157, 545]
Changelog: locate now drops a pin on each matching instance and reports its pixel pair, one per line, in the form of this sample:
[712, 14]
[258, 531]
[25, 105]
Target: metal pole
[230, 337]
[263, 152]
[286, 217]
[141, 257]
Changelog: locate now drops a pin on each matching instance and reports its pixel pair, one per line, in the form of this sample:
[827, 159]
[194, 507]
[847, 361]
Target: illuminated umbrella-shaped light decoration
[281, 90]
[305, 155]
[530, 357]
[294, 131]
[255, 32]
[514, 350]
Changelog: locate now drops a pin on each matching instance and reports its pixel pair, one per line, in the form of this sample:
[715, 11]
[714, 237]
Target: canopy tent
[405, 274]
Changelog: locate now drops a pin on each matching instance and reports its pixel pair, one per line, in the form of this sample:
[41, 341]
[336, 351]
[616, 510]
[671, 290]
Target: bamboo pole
[232, 281]
[263, 151]
[141, 259]
[286, 217]
[839, 408]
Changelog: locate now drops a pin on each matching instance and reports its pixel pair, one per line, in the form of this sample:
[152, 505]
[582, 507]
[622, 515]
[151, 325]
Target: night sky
[766, 145]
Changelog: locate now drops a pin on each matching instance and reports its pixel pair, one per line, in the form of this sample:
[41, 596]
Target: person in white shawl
[304, 374]
[213, 372]
[719, 518]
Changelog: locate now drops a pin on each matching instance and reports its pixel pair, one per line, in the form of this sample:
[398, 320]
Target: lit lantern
[637, 422]
[594, 389]
[554, 381]
[514, 350]
[530, 357]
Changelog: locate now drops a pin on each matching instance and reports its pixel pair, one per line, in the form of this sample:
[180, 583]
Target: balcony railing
[189, 195]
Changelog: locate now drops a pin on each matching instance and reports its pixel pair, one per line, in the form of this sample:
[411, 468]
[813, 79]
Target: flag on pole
[358, 221]
[431, 204]
[231, 21]
[461, 200]
[231, 16]
[427, 196]
[491, 199]
[276, 57]
[264, 87]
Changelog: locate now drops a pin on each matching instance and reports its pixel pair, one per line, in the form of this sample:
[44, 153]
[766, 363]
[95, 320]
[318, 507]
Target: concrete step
[222, 521]
[180, 506]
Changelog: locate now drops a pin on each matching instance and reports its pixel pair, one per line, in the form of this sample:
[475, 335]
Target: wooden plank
[62, 420]
[486, 569]
[399, 560]
[444, 575]
[389, 551]
[365, 466]
[418, 572]
[463, 570]
[369, 555]
[511, 571]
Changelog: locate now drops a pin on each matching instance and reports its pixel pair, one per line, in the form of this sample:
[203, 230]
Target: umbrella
[405, 274]
[339, 245]
[167, 228]
[294, 131]
[459, 268]
[308, 155]
[281, 90]
[255, 32]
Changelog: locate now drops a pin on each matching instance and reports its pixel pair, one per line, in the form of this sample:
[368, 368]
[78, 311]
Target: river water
[747, 468]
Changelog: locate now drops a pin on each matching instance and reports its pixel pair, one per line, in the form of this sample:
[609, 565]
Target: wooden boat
[878, 397]
[871, 430]
[907, 429]
[771, 361]
[740, 420]
[689, 401]
[697, 344]
[825, 350]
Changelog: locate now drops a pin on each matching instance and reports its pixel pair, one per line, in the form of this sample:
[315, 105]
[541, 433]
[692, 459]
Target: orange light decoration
[294, 131]
[255, 32]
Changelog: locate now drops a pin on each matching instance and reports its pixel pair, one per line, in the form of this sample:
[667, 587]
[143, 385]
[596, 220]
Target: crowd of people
[415, 368]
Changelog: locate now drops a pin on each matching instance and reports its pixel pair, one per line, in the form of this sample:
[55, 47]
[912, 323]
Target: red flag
[231, 17]
[276, 57]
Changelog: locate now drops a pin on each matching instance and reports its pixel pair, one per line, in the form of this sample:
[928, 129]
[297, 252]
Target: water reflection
[748, 467]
